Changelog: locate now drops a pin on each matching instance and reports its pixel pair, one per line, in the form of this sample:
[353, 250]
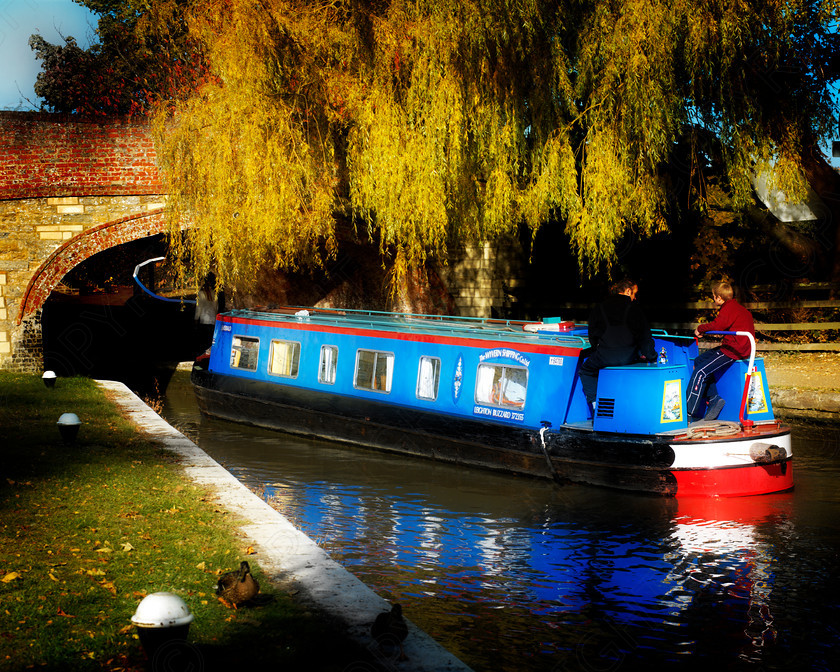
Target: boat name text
[505, 352]
[499, 413]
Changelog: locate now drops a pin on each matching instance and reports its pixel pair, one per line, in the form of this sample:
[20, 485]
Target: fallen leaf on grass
[127, 547]
[11, 576]
[52, 576]
[60, 612]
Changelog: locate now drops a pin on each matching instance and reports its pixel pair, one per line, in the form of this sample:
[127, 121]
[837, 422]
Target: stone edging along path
[285, 553]
[824, 402]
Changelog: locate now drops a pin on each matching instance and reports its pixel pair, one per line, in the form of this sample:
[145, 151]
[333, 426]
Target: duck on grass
[237, 587]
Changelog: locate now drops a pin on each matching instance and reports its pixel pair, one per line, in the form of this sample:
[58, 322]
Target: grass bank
[87, 530]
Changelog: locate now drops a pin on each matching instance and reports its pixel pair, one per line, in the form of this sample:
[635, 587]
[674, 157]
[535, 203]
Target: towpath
[804, 384]
[285, 553]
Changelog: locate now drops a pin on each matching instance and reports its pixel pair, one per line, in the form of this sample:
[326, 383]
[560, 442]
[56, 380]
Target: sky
[19, 19]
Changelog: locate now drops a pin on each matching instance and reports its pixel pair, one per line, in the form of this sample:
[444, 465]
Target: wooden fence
[767, 333]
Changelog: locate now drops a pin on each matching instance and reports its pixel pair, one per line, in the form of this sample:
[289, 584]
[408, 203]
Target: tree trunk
[825, 181]
[805, 249]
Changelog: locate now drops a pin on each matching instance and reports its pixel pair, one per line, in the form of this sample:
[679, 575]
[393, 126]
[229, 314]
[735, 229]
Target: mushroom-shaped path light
[161, 618]
[68, 426]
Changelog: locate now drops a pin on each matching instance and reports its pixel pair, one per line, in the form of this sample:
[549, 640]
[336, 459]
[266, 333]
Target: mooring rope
[718, 428]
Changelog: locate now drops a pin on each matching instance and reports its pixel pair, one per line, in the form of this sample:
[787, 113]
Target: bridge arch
[81, 247]
[70, 187]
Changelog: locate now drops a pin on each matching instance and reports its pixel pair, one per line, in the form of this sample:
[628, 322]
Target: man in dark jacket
[710, 365]
[618, 333]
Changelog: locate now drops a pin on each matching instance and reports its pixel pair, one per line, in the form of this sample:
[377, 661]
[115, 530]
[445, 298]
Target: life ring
[496, 397]
[535, 327]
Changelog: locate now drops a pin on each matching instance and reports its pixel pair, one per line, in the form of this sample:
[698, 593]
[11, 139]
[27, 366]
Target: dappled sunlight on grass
[88, 529]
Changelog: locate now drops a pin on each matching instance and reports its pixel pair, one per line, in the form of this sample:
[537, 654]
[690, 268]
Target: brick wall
[481, 278]
[28, 354]
[49, 155]
[69, 188]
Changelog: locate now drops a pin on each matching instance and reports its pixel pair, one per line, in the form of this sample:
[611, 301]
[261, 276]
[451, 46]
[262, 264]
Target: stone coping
[287, 555]
[792, 403]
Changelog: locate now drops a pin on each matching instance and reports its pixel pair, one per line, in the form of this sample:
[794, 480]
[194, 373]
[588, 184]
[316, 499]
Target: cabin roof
[472, 327]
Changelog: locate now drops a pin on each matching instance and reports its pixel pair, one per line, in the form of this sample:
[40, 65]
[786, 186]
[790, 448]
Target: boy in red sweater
[710, 365]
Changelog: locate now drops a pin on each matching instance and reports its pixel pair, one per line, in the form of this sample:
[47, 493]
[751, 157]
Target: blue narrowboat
[504, 395]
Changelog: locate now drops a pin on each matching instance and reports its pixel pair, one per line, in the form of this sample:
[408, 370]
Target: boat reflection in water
[520, 574]
[558, 581]
[726, 563]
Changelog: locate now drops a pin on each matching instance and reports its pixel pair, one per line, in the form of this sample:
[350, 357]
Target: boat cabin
[505, 372]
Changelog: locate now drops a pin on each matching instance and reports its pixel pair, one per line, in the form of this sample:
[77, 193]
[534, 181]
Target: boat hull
[667, 466]
[736, 481]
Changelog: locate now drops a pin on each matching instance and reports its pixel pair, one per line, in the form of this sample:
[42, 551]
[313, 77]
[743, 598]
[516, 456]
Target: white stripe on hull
[731, 453]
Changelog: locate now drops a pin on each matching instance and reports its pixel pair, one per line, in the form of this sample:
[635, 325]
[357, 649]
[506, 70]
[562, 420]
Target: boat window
[284, 359]
[326, 370]
[428, 378]
[499, 385]
[244, 353]
[374, 370]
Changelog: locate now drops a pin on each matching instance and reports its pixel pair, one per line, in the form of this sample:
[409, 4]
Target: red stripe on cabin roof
[411, 336]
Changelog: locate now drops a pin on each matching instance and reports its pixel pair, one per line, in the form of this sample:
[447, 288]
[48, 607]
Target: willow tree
[429, 121]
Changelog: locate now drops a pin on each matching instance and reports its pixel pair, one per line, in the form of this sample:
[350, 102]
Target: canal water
[516, 574]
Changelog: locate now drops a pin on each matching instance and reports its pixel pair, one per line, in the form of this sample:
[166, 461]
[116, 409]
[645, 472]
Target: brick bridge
[69, 188]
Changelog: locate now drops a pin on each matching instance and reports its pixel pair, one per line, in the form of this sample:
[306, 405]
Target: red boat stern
[754, 461]
[758, 479]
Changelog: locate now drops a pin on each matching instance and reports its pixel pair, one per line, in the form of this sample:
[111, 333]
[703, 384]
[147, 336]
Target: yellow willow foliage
[613, 195]
[431, 122]
[399, 172]
[633, 118]
[735, 53]
[449, 128]
[249, 163]
[444, 145]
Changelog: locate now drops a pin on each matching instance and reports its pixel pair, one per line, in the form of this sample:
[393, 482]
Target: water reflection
[516, 574]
